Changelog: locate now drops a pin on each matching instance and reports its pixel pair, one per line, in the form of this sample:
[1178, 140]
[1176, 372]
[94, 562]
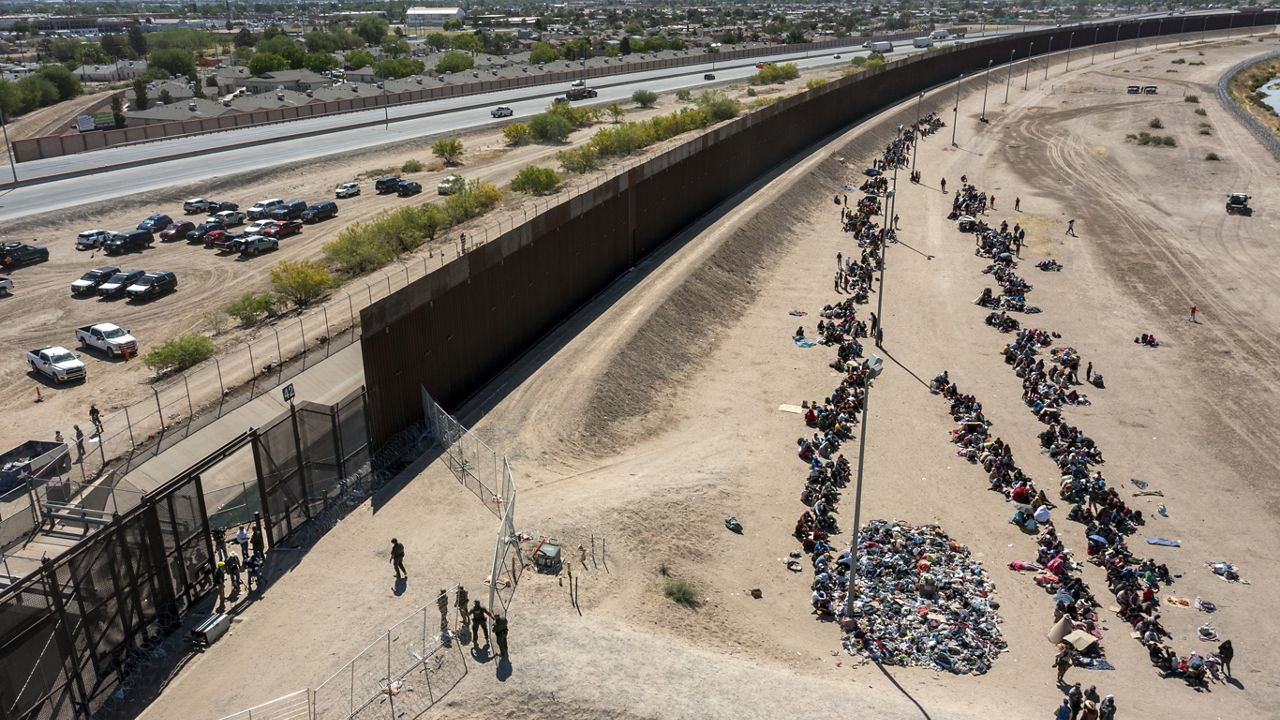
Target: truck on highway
[57, 363]
[580, 93]
[109, 338]
[33, 460]
[880, 46]
[922, 42]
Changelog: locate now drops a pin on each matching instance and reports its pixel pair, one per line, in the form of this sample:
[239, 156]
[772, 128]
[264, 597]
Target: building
[431, 16]
[300, 80]
[120, 71]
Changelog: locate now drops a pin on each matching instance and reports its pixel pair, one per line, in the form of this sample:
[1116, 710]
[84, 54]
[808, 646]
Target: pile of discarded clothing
[920, 599]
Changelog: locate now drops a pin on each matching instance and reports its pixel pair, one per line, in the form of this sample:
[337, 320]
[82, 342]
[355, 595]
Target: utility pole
[1159, 31]
[1094, 54]
[915, 138]
[1071, 39]
[1027, 74]
[1047, 61]
[1008, 75]
[955, 112]
[986, 83]
[873, 366]
[1115, 46]
[8, 148]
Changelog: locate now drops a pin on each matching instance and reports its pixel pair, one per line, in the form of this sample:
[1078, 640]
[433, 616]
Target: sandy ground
[42, 312]
[702, 345]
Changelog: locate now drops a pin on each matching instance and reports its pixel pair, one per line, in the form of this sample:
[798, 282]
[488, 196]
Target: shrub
[1205, 131]
[516, 134]
[252, 309]
[578, 117]
[1168, 141]
[180, 353]
[717, 106]
[300, 282]
[175, 61]
[452, 62]
[681, 591]
[751, 92]
[449, 150]
[1201, 112]
[580, 159]
[550, 128]
[536, 180]
[645, 98]
[815, 83]
[263, 63]
[1179, 61]
[411, 166]
[616, 111]
[1212, 156]
[684, 94]
[398, 68]
[1155, 124]
[775, 74]
[1191, 99]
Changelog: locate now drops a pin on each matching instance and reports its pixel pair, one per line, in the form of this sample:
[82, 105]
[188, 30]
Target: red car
[177, 231]
[214, 236]
[283, 229]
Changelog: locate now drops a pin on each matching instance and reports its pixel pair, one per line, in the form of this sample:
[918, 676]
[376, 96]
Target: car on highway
[177, 231]
[13, 254]
[291, 210]
[837, 56]
[580, 93]
[451, 185]
[152, 285]
[709, 76]
[257, 245]
[578, 83]
[283, 229]
[116, 284]
[198, 233]
[128, 242]
[57, 363]
[323, 210]
[559, 100]
[228, 218]
[90, 239]
[257, 226]
[89, 282]
[408, 187]
[347, 190]
[502, 111]
[108, 338]
[155, 223]
[262, 208]
[763, 65]
[386, 184]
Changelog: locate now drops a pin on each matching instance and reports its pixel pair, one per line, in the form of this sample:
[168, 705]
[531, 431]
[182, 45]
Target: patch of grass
[1212, 157]
[378, 172]
[1179, 61]
[1191, 99]
[681, 591]
[1155, 124]
[411, 166]
[751, 92]
[664, 570]
[1197, 62]
[684, 94]
[1201, 112]
[1145, 138]
[1205, 131]
[1168, 141]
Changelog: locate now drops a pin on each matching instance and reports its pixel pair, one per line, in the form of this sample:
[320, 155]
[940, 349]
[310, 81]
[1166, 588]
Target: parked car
[57, 363]
[502, 111]
[709, 76]
[201, 231]
[90, 239]
[177, 231]
[258, 244]
[89, 282]
[152, 285]
[229, 218]
[408, 187]
[117, 283]
[291, 210]
[6, 286]
[387, 184]
[452, 184]
[323, 210]
[13, 254]
[347, 190]
[224, 240]
[261, 208]
[283, 229]
[256, 227]
[155, 223]
[108, 338]
[128, 242]
[200, 205]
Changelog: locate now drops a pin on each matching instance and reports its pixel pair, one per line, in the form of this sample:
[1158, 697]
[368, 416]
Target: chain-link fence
[1265, 135]
[294, 706]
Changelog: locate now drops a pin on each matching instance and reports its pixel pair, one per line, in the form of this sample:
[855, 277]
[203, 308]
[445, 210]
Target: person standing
[479, 621]
[1193, 309]
[442, 602]
[1088, 372]
[943, 183]
[220, 582]
[242, 539]
[1017, 204]
[397, 558]
[79, 443]
[460, 603]
[1107, 708]
[839, 260]
[220, 542]
[233, 570]
[1063, 712]
[1071, 227]
[1075, 698]
[1225, 653]
[500, 634]
[96, 418]
[1062, 661]
[259, 547]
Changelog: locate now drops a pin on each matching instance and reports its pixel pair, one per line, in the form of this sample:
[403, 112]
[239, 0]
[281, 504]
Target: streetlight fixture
[1094, 53]
[874, 366]
[955, 111]
[1115, 46]
[1071, 39]
[986, 83]
[1159, 31]
[1137, 39]
[1047, 61]
[1027, 74]
[1008, 75]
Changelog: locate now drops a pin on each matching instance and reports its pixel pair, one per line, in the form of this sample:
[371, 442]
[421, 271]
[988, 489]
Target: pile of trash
[920, 599]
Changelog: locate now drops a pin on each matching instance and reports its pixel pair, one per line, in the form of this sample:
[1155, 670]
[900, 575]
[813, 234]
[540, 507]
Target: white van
[939, 35]
[922, 42]
[883, 46]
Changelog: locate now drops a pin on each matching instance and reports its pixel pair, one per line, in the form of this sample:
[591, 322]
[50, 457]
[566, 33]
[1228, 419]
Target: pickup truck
[109, 338]
[262, 208]
[13, 254]
[89, 282]
[90, 239]
[58, 363]
[580, 93]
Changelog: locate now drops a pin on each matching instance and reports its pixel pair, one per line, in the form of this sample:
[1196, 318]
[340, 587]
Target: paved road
[453, 115]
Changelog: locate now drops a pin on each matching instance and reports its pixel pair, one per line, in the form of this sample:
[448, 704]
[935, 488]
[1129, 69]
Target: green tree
[577, 49]
[20, 28]
[276, 45]
[542, 52]
[452, 62]
[452, 24]
[320, 62]
[301, 282]
[616, 111]
[624, 45]
[371, 28]
[403, 67]
[536, 180]
[175, 61]
[10, 99]
[117, 110]
[250, 309]
[395, 47]
[467, 42]
[645, 98]
[321, 41]
[357, 59]
[137, 41]
[437, 41]
[68, 84]
[244, 38]
[262, 63]
[166, 97]
[117, 46]
[448, 149]
[37, 91]
[795, 36]
[197, 87]
[180, 353]
[273, 31]
[579, 160]
[140, 99]
[550, 128]
[516, 134]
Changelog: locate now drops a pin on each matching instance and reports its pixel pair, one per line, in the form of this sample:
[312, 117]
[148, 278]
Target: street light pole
[986, 83]
[890, 207]
[1047, 61]
[1094, 54]
[1071, 39]
[1008, 75]
[1115, 46]
[915, 137]
[1137, 39]
[7, 147]
[1182, 29]
[1027, 74]
[874, 365]
[1159, 31]
[955, 111]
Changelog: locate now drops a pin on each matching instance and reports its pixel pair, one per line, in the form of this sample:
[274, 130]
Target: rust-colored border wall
[455, 329]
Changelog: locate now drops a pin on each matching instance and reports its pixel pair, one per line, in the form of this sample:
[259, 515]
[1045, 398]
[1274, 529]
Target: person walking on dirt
[96, 418]
[460, 602]
[79, 443]
[1071, 227]
[1017, 204]
[442, 602]
[1062, 661]
[479, 621]
[500, 634]
[839, 260]
[1225, 653]
[1193, 310]
[943, 183]
[220, 581]
[259, 547]
[219, 542]
[233, 570]
[397, 558]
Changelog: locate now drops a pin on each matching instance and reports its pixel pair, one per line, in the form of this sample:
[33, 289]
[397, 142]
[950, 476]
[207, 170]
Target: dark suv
[152, 285]
[407, 188]
[155, 223]
[291, 210]
[13, 254]
[116, 284]
[323, 210]
[128, 242]
[387, 184]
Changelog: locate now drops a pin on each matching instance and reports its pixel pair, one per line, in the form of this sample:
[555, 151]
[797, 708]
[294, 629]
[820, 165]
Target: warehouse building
[431, 16]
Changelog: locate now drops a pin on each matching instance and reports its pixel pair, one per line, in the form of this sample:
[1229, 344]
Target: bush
[1205, 131]
[1168, 141]
[684, 94]
[1191, 99]
[1179, 61]
[645, 98]
[579, 160]
[68, 85]
[449, 150]
[751, 92]
[263, 63]
[718, 106]
[1155, 124]
[180, 353]
[1201, 112]
[815, 83]
[252, 309]
[616, 111]
[775, 74]
[357, 59]
[536, 180]
[578, 117]
[411, 166]
[301, 282]
[1212, 156]
[398, 68]
[681, 591]
[516, 134]
[178, 63]
[452, 62]
[542, 52]
[550, 127]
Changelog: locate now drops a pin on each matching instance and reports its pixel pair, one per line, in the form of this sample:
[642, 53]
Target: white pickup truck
[58, 363]
[109, 338]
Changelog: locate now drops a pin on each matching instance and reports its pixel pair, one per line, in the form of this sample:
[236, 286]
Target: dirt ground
[41, 310]
[703, 344]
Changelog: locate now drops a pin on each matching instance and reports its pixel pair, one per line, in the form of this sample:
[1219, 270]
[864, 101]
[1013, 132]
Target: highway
[200, 157]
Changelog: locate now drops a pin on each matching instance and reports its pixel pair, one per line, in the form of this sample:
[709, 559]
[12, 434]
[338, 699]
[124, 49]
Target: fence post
[302, 465]
[222, 389]
[129, 424]
[328, 341]
[191, 413]
[279, 352]
[391, 697]
[262, 488]
[159, 409]
[303, 331]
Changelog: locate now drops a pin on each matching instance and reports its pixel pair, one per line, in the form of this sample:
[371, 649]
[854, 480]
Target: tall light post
[1159, 31]
[1137, 39]
[1094, 54]
[915, 136]
[874, 366]
[1182, 29]
[1008, 75]
[1047, 61]
[890, 207]
[955, 111]
[1071, 39]
[7, 147]
[1027, 74]
[986, 83]
[1115, 46]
